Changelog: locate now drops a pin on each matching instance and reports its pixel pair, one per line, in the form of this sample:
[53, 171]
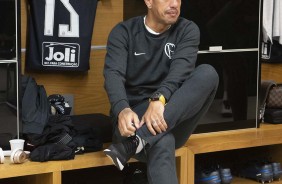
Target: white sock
[141, 144]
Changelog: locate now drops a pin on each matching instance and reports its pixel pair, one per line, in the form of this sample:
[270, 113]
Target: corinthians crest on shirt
[60, 54]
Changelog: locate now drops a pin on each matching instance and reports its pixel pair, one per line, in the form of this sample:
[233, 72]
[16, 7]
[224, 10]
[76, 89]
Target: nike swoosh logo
[138, 54]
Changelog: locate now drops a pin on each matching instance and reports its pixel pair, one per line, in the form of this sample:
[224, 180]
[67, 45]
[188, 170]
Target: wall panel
[87, 87]
[271, 72]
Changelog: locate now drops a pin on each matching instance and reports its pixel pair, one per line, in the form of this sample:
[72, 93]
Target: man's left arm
[183, 61]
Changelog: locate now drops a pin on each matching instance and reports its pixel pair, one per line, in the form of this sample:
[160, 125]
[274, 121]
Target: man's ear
[148, 3]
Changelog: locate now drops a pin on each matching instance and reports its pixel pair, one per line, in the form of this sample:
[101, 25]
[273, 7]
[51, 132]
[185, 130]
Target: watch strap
[162, 99]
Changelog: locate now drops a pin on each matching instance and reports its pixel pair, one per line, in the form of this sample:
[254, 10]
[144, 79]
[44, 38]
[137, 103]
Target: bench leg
[190, 167]
[46, 178]
[182, 162]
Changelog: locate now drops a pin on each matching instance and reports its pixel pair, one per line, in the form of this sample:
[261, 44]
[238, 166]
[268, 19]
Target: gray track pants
[185, 107]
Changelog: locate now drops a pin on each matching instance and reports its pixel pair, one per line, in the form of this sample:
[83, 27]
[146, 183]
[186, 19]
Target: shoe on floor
[137, 177]
[208, 177]
[261, 172]
[120, 153]
[225, 176]
[277, 171]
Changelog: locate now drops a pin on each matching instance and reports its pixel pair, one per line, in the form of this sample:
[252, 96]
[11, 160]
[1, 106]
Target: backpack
[35, 106]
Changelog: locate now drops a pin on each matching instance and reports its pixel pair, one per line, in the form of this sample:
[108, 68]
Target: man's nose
[175, 3]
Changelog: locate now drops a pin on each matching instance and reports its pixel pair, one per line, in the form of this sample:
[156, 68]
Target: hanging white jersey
[60, 33]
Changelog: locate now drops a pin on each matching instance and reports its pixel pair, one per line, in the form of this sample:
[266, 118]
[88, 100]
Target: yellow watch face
[155, 96]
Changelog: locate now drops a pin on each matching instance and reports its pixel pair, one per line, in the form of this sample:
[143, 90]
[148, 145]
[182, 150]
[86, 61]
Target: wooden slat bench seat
[51, 172]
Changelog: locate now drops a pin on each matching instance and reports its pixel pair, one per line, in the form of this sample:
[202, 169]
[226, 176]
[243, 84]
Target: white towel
[268, 7]
[277, 21]
[272, 20]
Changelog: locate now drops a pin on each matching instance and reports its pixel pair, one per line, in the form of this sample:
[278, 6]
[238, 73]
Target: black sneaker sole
[109, 153]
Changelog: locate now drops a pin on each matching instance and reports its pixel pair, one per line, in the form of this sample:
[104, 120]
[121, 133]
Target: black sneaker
[137, 177]
[208, 177]
[225, 175]
[261, 172]
[277, 171]
[120, 153]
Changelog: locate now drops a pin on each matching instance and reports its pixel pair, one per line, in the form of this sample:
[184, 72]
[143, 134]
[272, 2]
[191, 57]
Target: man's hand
[154, 118]
[126, 119]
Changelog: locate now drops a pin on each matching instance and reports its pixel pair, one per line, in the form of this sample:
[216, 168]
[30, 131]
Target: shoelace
[145, 152]
[131, 144]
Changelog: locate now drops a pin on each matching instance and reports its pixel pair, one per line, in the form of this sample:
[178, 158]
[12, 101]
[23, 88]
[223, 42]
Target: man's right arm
[115, 77]
[115, 69]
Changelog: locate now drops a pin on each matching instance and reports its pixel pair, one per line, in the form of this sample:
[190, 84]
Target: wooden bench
[51, 172]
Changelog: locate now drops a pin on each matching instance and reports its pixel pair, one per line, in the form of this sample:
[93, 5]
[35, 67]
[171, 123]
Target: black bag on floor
[273, 116]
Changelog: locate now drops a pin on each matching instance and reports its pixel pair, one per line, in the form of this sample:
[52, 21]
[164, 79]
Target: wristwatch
[158, 97]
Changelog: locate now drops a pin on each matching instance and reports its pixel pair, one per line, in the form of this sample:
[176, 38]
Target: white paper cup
[16, 144]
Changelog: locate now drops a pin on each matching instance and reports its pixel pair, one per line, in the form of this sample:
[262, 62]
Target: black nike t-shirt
[139, 63]
[60, 33]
